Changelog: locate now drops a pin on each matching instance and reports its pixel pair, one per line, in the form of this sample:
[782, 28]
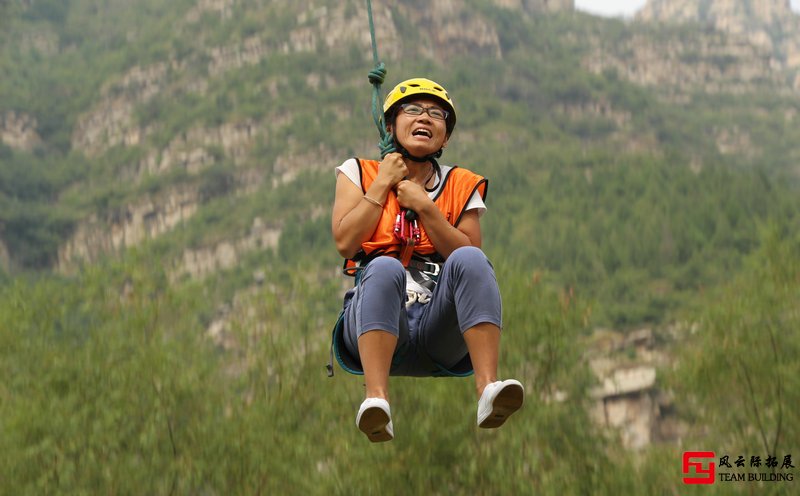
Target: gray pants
[429, 335]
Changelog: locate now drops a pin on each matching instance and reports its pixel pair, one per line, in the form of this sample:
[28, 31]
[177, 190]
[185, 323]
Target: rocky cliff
[18, 130]
[746, 46]
[448, 27]
[711, 62]
[147, 218]
[770, 25]
[725, 15]
[115, 119]
[712, 46]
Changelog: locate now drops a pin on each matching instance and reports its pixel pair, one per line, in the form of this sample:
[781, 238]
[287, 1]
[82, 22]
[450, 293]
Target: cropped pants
[430, 335]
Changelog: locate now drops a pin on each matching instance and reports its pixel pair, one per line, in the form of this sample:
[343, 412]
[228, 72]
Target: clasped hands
[409, 194]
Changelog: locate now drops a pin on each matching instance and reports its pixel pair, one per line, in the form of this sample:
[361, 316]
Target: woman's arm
[444, 237]
[354, 218]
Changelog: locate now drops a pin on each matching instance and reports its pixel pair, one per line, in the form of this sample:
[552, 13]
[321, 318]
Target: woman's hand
[412, 195]
[392, 169]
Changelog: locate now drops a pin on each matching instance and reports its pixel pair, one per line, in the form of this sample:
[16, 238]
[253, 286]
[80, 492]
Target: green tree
[738, 374]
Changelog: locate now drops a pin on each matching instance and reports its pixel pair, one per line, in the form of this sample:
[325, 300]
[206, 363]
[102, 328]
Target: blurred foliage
[114, 386]
[105, 394]
[746, 344]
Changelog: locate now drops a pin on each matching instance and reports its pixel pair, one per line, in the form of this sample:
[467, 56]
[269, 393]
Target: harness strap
[404, 152]
[422, 279]
[329, 366]
[416, 263]
[424, 265]
[407, 252]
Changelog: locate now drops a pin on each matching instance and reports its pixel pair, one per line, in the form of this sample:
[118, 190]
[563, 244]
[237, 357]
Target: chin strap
[406, 154]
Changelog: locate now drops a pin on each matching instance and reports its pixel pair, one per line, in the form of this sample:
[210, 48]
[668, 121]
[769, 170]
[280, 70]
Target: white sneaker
[375, 420]
[499, 400]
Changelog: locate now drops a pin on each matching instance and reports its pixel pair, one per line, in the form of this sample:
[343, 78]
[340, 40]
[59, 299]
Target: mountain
[119, 132]
[770, 25]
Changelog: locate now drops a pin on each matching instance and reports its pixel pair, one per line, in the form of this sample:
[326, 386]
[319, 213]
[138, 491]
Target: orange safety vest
[457, 189]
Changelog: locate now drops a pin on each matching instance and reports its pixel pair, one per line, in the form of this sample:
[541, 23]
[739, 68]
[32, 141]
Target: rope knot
[377, 75]
[386, 145]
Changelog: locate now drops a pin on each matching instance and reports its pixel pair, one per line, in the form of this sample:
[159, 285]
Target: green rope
[376, 77]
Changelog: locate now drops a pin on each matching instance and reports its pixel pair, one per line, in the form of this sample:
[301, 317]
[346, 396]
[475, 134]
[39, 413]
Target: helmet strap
[406, 154]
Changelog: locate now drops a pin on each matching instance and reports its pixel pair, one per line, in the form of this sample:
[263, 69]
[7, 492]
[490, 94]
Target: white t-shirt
[415, 291]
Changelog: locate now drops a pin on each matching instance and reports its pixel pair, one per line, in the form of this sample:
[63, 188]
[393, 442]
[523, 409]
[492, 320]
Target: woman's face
[421, 134]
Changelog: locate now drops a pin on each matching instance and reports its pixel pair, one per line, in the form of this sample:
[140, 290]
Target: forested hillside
[168, 280]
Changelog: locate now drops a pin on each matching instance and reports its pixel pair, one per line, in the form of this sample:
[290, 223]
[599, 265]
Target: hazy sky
[626, 7]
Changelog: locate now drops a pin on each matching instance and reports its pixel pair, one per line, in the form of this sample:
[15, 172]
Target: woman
[426, 301]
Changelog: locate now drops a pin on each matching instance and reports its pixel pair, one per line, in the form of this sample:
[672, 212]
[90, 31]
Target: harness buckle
[434, 271]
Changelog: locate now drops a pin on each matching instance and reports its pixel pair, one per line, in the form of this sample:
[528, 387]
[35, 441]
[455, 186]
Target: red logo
[707, 473]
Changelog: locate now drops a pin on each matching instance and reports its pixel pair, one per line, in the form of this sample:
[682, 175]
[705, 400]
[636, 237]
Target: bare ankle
[480, 385]
[377, 393]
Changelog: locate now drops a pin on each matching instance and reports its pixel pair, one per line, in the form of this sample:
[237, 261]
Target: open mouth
[422, 132]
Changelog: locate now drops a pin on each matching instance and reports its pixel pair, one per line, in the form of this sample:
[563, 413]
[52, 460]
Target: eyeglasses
[434, 112]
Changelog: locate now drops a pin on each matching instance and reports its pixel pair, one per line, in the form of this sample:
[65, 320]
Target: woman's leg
[376, 349]
[467, 293]
[374, 322]
[464, 315]
[483, 343]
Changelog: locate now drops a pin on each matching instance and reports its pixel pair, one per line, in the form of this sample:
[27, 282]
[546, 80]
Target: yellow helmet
[416, 87]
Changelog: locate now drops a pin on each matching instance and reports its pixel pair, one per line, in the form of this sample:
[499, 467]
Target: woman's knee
[385, 265]
[469, 257]
[385, 271]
